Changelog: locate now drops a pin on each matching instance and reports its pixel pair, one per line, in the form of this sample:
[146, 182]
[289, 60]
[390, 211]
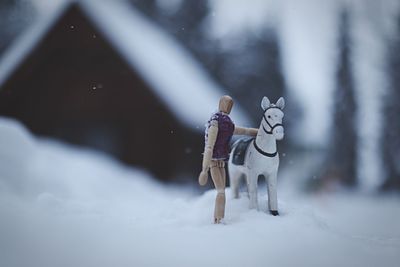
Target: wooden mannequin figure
[219, 131]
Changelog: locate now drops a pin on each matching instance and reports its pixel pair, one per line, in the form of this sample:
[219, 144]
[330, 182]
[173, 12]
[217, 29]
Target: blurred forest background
[337, 63]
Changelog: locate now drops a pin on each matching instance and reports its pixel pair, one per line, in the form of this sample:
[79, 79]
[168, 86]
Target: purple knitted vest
[225, 132]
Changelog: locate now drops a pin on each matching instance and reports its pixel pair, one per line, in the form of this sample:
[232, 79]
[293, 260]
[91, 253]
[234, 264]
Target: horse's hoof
[274, 212]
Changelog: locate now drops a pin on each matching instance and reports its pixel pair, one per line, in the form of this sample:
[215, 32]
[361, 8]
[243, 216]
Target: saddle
[239, 150]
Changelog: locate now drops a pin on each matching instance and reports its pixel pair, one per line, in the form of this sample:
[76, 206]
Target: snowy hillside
[62, 206]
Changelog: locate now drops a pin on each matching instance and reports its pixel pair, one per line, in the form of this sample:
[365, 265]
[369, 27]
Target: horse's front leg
[272, 194]
[252, 188]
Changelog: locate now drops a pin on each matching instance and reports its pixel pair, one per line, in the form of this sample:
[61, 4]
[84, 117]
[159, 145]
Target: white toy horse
[260, 156]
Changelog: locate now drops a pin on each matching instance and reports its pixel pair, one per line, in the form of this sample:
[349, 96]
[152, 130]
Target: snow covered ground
[63, 206]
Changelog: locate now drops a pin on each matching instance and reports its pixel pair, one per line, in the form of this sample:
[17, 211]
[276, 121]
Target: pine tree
[252, 71]
[341, 158]
[391, 139]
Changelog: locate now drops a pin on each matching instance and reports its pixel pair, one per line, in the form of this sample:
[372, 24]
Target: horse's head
[272, 118]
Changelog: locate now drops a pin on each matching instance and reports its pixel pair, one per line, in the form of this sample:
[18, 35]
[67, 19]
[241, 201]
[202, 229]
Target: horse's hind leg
[234, 178]
[252, 180]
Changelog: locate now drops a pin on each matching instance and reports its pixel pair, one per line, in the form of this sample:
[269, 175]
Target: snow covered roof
[175, 76]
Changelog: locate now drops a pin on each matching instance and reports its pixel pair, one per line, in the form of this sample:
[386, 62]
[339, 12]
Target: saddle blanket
[239, 150]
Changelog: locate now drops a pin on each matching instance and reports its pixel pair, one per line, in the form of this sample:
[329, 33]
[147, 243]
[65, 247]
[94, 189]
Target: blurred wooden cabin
[102, 76]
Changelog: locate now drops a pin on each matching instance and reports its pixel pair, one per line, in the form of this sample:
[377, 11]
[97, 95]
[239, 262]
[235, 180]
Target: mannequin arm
[208, 151]
[245, 131]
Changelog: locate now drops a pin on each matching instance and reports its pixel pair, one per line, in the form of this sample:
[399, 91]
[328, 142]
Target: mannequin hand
[203, 177]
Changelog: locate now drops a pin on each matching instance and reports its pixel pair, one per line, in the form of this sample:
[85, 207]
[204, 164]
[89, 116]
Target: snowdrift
[66, 206]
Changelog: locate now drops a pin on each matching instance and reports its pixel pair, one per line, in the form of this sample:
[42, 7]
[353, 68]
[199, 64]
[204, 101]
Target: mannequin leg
[219, 178]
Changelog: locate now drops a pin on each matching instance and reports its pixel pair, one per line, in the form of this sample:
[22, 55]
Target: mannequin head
[225, 104]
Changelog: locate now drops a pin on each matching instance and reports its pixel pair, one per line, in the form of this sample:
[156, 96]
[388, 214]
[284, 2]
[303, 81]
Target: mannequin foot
[219, 221]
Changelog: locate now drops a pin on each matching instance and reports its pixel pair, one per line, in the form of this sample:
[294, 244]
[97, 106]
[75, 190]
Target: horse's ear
[280, 103]
[265, 103]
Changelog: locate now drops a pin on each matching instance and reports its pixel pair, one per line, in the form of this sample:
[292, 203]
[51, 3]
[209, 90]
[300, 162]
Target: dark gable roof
[172, 72]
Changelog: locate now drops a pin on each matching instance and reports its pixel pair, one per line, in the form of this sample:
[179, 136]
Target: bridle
[269, 124]
[259, 150]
